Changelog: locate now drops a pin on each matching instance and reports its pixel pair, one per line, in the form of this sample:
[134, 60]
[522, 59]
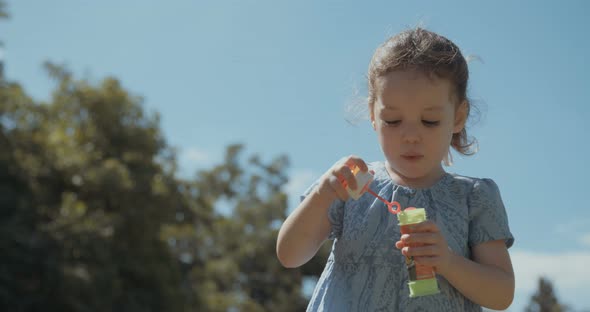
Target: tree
[545, 300]
[3, 12]
[82, 218]
[3, 15]
[94, 218]
[233, 253]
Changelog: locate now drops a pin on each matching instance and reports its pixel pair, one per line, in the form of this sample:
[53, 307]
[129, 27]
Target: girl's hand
[339, 176]
[427, 245]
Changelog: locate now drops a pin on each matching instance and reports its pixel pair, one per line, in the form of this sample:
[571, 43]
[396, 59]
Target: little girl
[418, 109]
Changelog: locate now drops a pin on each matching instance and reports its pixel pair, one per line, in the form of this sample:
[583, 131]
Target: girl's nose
[411, 134]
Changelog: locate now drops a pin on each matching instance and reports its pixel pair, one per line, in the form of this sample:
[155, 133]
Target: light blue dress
[365, 272]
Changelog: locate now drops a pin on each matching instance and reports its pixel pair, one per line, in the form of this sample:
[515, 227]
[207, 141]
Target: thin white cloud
[299, 181]
[585, 239]
[191, 159]
[567, 271]
[573, 225]
[193, 154]
[580, 225]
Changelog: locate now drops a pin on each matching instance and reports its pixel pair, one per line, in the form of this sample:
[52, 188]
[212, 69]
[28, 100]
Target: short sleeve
[488, 220]
[335, 213]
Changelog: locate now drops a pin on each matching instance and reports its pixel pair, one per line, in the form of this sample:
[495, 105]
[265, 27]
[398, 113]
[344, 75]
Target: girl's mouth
[412, 157]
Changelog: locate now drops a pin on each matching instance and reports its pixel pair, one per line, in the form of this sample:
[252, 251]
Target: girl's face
[415, 118]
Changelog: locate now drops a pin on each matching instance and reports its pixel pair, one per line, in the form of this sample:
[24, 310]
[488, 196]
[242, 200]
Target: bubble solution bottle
[422, 278]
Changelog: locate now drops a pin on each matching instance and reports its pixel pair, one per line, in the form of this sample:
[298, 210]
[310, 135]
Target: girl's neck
[416, 183]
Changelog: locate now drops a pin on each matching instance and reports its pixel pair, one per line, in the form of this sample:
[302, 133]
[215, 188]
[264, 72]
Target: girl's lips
[412, 157]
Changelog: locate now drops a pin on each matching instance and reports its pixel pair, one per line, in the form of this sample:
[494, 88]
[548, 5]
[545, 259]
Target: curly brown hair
[432, 54]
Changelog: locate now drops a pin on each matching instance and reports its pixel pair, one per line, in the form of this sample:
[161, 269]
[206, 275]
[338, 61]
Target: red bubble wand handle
[388, 203]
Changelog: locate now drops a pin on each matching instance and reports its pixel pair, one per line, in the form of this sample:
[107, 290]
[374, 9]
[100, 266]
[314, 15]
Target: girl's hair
[432, 54]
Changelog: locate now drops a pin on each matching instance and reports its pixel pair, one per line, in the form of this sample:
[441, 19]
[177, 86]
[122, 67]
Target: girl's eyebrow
[429, 108]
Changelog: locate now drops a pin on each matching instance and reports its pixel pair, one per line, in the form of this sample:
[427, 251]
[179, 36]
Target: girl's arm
[487, 280]
[304, 231]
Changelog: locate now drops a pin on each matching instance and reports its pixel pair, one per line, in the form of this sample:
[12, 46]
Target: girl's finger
[353, 161]
[344, 173]
[338, 188]
[428, 238]
[417, 251]
[431, 261]
[426, 226]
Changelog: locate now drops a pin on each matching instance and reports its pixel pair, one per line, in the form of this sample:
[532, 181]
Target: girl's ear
[460, 117]
[373, 119]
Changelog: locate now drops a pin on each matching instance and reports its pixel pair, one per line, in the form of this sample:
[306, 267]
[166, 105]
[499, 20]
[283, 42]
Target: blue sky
[278, 76]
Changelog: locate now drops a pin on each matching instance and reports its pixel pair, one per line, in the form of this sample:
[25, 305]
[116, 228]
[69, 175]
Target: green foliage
[94, 218]
[233, 248]
[84, 166]
[3, 11]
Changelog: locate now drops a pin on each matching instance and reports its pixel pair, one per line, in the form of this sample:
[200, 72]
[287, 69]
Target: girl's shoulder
[478, 186]
[479, 192]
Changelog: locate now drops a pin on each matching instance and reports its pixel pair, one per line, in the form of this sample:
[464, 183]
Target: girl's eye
[392, 122]
[431, 123]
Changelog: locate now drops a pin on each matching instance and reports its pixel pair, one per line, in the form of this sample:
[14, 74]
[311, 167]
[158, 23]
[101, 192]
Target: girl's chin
[408, 173]
[413, 174]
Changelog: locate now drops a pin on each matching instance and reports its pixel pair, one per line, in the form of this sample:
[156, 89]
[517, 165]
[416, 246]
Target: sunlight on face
[414, 117]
